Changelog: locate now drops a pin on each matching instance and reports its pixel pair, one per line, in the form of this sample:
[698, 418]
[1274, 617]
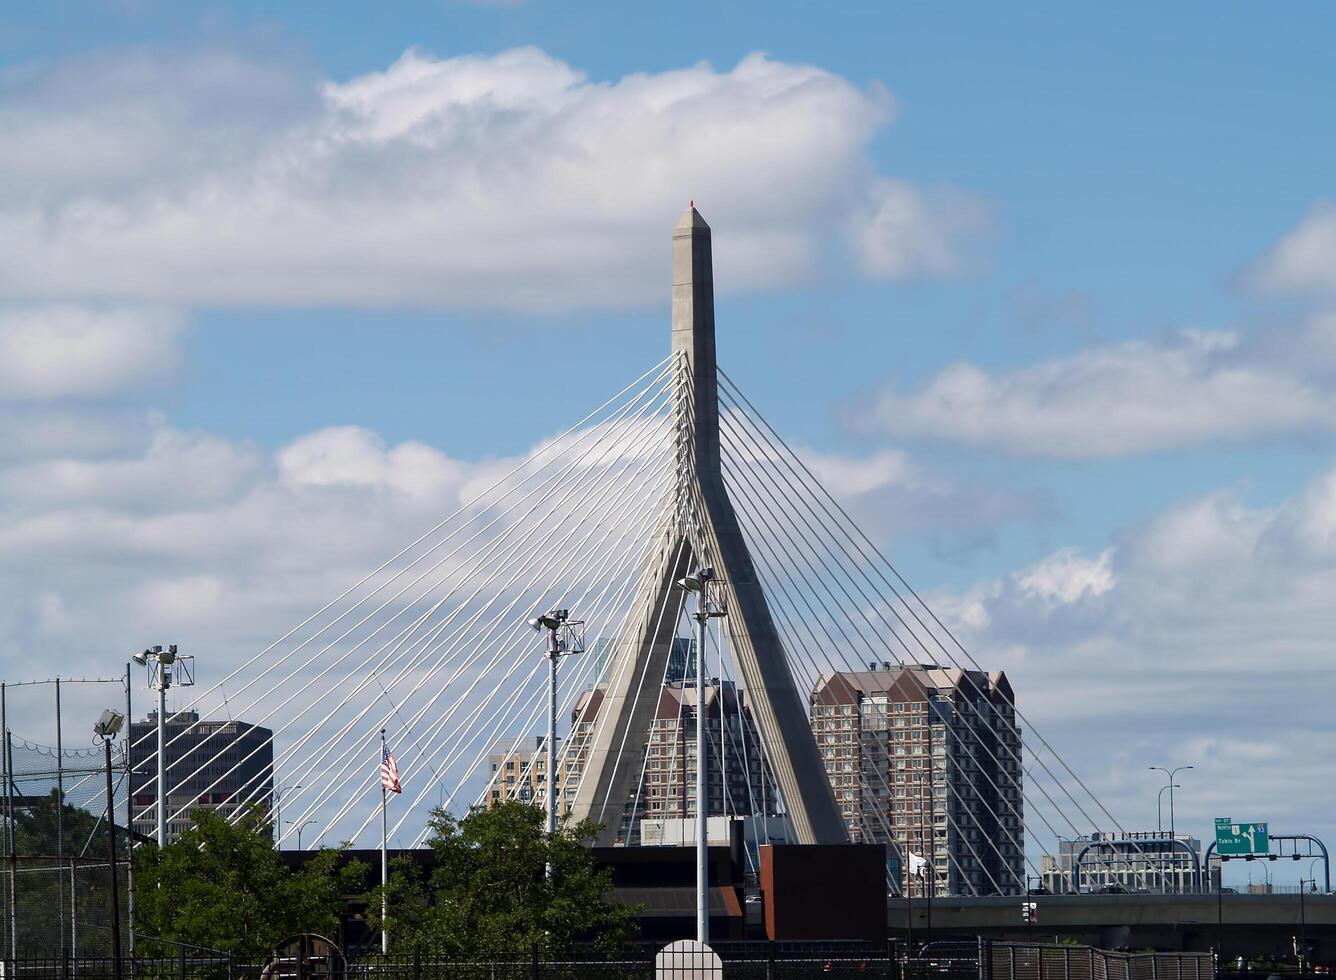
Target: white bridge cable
[628, 595]
[463, 635]
[588, 443]
[874, 556]
[870, 554]
[770, 570]
[634, 628]
[622, 623]
[627, 496]
[757, 490]
[780, 478]
[550, 485]
[619, 584]
[1035, 809]
[617, 577]
[631, 628]
[598, 433]
[655, 373]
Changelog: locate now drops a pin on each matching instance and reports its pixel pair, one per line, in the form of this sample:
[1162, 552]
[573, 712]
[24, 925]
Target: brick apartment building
[928, 758]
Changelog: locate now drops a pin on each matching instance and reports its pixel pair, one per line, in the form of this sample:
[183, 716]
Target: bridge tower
[699, 527]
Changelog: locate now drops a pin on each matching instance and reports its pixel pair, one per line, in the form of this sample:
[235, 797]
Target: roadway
[1247, 924]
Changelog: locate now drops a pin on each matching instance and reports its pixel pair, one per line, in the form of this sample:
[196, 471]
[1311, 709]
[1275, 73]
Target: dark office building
[217, 765]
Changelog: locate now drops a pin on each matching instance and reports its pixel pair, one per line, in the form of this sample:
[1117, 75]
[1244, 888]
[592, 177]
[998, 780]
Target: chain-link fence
[61, 907]
[752, 961]
[55, 878]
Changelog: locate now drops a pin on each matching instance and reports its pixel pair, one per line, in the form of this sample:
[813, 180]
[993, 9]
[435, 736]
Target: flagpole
[384, 862]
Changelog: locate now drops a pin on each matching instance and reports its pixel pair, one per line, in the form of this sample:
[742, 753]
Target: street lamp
[1171, 773]
[702, 583]
[1159, 802]
[106, 728]
[304, 823]
[564, 638]
[165, 669]
[278, 809]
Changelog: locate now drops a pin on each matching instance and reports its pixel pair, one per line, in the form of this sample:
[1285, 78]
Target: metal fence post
[534, 971]
[417, 962]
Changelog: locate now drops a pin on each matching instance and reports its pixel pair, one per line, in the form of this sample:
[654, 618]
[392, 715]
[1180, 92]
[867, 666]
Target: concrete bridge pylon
[699, 527]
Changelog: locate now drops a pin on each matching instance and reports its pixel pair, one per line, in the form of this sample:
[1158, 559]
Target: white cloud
[1201, 637]
[1065, 577]
[1135, 397]
[907, 232]
[53, 352]
[352, 457]
[509, 180]
[1305, 257]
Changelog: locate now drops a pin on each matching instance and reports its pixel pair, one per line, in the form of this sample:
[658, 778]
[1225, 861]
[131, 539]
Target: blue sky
[1070, 265]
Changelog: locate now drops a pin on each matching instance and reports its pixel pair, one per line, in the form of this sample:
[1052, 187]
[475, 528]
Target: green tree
[222, 885]
[489, 893]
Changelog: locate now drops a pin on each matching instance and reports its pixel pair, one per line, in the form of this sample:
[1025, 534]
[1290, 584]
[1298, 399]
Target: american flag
[389, 770]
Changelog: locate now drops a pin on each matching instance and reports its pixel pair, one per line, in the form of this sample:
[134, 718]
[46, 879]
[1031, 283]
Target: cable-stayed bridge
[678, 469]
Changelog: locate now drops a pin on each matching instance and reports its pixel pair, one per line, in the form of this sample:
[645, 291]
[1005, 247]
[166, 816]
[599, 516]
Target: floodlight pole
[553, 656]
[162, 685]
[111, 865]
[702, 783]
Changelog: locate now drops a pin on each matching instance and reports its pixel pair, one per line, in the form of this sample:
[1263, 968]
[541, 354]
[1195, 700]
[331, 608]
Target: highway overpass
[1246, 924]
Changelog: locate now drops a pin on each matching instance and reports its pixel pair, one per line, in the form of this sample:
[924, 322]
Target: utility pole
[106, 728]
[564, 638]
[165, 669]
[706, 607]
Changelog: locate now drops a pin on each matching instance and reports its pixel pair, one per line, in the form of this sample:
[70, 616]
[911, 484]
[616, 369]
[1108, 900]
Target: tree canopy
[489, 892]
[223, 885]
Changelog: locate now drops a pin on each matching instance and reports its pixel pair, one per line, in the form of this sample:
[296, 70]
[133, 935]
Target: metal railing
[983, 960]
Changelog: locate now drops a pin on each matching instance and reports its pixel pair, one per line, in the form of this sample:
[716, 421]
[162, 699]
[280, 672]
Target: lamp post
[278, 811]
[304, 823]
[1159, 803]
[564, 638]
[165, 669]
[1170, 773]
[706, 607]
[106, 728]
[1303, 927]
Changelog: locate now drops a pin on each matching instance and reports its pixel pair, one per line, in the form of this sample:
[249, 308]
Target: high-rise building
[928, 759]
[519, 770]
[216, 765]
[667, 788]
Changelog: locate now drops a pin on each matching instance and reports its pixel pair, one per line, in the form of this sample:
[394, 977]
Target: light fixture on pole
[165, 669]
[1170, 773]
[106, 728]
[278, 812]
[300, 826]
[1159, 812]
[565, 638]
[703, 584]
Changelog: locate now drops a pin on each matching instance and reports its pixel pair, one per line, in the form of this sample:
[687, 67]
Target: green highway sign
[1240, 838]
